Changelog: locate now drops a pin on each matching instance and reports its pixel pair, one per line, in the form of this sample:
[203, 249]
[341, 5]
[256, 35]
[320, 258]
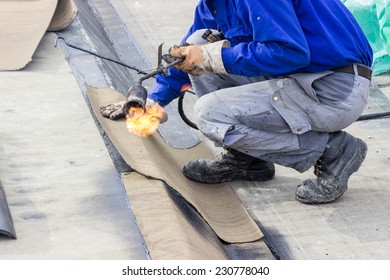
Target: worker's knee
[212, 118]
[205, 109]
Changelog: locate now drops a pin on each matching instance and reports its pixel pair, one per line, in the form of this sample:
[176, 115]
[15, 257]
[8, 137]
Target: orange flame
[185, 87]
[143, 123]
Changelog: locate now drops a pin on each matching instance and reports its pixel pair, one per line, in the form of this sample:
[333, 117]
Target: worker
[278, 86]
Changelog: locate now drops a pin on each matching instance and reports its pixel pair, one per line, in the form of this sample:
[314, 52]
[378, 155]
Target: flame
[143, 123]
[185, 87]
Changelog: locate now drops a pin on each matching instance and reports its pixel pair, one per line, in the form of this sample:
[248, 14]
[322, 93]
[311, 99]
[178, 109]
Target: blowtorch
[137, 94]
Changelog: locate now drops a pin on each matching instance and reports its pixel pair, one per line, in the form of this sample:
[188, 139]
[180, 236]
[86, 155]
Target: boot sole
[258, 175]
[354, 165]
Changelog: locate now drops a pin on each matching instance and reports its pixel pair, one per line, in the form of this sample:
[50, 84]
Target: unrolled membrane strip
[151, 156]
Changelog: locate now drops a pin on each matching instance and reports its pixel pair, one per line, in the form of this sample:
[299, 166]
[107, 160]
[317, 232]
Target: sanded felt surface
[23, 24]
[6, 222]
[171, 229]
[217, 204]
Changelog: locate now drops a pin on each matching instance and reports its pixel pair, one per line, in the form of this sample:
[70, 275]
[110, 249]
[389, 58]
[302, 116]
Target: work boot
[344, 154]
[232, 165]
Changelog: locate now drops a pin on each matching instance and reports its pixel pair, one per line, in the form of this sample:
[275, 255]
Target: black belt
[362, 70]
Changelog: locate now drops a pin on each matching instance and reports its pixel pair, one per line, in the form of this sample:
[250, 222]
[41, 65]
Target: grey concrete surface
[65, 196]
[355, 227]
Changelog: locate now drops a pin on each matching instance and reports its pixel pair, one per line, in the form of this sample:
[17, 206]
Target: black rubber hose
[182, 114]
[373, 116]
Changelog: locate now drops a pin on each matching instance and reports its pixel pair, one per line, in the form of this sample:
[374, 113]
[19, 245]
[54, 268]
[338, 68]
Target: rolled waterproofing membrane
[23, 24]
[65, 13]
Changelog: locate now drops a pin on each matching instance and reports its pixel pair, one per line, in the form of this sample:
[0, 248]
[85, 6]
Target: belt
[362, 70]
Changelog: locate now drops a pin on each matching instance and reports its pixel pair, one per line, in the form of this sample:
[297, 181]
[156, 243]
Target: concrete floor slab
[65, 196]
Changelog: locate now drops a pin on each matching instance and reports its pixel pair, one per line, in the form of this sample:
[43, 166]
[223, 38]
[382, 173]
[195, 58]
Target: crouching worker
[278, 87]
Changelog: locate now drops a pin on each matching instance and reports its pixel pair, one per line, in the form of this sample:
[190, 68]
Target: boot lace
[318, 168]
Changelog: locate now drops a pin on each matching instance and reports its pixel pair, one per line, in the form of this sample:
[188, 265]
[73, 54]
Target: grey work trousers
[284, 120]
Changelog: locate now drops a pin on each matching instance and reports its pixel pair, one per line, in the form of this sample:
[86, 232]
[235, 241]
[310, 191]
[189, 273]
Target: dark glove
[113, 111]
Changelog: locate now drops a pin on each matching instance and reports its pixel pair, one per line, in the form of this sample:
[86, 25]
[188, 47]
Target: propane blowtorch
[137, 94]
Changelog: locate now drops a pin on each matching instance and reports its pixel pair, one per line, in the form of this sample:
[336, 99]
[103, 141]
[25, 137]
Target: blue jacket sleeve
[170, 86]
[289, 36]
[278, 42]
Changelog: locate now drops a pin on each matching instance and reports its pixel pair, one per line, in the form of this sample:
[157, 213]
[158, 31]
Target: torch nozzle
[137, 94]
[136, 98]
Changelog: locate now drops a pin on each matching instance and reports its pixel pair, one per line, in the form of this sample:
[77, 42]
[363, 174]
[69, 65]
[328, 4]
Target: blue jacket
[273, 38]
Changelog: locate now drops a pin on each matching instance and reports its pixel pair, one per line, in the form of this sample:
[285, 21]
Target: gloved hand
[113, 111]
[199, 59]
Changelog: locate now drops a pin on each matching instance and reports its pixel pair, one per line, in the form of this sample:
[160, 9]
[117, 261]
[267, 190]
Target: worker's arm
[171, 86]
[269, 39]
[278, 44]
